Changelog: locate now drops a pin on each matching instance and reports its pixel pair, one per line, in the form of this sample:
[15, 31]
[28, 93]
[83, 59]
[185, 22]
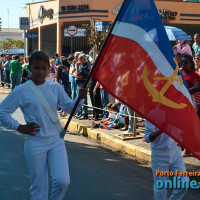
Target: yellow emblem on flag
[158, 96]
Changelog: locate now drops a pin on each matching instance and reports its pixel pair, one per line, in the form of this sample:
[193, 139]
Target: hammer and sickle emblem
[158, 96]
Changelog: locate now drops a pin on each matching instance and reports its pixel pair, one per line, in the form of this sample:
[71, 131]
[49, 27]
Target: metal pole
[24, 44]
[71, 46]
[134, 125]
[94, 39]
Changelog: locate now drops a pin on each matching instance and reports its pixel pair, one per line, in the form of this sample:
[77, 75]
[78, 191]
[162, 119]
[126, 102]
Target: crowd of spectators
[72, 72]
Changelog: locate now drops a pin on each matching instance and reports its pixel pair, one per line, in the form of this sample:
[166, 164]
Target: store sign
[167, 15]
[101, 26]
[24, 23]
[75, 8]
[45, 13]
[80, 32]
[31, 35]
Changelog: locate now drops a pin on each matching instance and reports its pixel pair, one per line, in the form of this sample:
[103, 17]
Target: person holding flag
[44, 148]
[165, 156]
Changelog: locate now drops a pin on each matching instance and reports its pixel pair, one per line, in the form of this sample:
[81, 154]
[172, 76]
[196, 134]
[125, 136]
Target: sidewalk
[4, 91]
[135, 147]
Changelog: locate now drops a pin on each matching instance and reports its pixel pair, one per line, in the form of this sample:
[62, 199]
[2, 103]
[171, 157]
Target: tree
[10, 43]
[19, 44]
[96, 37]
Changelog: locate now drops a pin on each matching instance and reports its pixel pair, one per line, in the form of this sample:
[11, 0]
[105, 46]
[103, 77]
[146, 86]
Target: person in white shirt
[91, 56]
[43, 146]
[165, 156]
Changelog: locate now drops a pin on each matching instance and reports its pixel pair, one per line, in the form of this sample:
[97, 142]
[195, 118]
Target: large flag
[137, 66]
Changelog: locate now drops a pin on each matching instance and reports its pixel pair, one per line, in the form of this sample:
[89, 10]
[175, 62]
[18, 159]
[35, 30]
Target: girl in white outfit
[43, 146]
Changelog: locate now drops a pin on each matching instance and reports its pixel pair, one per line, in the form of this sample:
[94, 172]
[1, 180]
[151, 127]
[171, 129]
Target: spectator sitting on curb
[111, 122]
[112, 114]
[122, 117]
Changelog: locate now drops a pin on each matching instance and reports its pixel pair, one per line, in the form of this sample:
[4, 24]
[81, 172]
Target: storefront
[182, 14]
[51, 18]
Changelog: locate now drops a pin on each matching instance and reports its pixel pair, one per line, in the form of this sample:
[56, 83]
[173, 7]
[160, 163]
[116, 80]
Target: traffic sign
[24, 23]
[72, 30]
[80, 33]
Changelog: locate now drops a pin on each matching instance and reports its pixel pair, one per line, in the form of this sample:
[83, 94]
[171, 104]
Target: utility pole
[24, 43]
[8, 18]
[94, 51]
[94, 46]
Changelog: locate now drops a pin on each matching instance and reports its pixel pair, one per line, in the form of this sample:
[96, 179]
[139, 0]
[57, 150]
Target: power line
[12, 5]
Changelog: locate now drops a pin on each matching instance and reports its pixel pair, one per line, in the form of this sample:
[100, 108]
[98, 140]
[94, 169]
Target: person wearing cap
[15, 71]
[7, 70]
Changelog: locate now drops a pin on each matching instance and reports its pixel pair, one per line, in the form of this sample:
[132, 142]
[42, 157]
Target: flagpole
[89, 76]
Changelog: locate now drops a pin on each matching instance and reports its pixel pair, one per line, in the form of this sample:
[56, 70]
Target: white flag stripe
[139, 35]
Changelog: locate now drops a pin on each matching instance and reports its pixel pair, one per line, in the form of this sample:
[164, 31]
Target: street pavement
[96, 173]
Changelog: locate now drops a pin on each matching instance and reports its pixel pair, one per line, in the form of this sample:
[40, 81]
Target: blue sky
[15, 9]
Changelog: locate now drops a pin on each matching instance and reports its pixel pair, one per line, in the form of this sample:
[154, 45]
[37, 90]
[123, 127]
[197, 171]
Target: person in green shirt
[15, 72]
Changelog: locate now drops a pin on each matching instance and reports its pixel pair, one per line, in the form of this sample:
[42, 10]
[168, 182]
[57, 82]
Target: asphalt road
[96, 173]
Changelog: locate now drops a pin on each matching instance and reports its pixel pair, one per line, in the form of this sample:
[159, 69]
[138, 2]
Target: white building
[12, 33]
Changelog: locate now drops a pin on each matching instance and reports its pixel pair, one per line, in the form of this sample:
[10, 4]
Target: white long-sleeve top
[23, 97]
[163, 141]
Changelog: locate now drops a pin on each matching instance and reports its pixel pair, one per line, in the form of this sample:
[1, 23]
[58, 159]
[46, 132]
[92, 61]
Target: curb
[112, 142]
[4, 92]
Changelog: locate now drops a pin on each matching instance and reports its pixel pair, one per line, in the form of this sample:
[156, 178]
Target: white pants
[168, 160]
[40, 154]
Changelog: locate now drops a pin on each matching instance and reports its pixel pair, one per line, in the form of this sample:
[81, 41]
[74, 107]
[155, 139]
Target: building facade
[50, 20]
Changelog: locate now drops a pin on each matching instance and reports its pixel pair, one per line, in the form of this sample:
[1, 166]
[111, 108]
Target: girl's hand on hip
[29, 129]
[83, 93]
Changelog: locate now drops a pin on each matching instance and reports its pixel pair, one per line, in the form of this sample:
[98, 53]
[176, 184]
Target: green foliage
[10, 43]
[0, 24]
[96, 37]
